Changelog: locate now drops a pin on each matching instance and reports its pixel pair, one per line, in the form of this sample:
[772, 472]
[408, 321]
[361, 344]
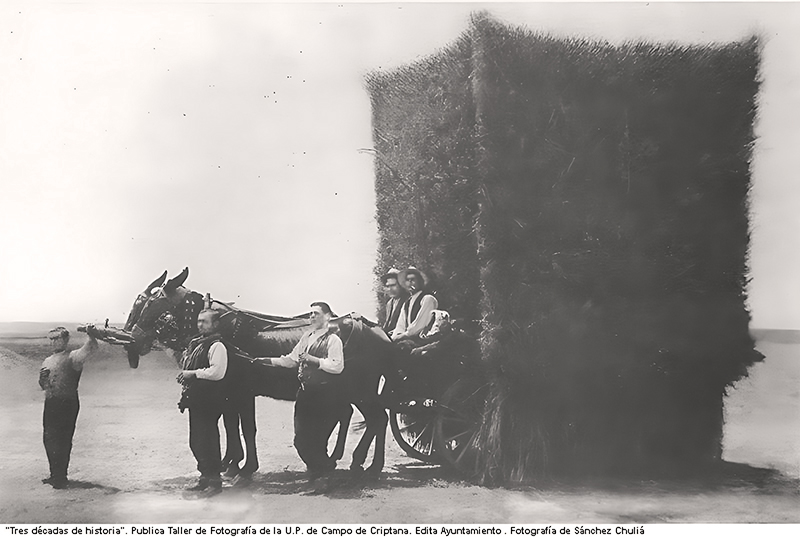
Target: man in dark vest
[396, 297]
[417, 309]
[204, 365]
[319, 357]
[58, 378]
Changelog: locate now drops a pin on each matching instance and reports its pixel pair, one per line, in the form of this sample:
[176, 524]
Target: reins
[349, 336]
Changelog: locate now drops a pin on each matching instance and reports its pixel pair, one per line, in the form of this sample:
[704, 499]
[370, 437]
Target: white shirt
[333, 364]
[418, 324]
[217, 363]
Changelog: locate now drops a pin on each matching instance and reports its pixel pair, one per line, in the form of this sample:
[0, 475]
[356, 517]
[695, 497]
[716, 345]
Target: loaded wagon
[438, 401]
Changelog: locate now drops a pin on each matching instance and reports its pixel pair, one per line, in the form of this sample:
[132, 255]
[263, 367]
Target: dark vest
[203, 392]
[393, 316]
[311, 377]
[413, 311]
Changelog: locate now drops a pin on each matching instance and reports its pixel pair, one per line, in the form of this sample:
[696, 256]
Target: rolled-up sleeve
[217, 363]
[334, 362]
[293, 358]
[285, 361]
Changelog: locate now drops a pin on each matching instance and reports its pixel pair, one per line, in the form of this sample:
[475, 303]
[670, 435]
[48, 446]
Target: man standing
[58, 378]
[320, 357]
[397, 295]
[417, 309]
[204, 365]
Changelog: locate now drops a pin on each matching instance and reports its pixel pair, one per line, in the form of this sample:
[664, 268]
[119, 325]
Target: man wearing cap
[417, 309]
[319, 357]
[397, 296]
[204, 365]
[58, 378]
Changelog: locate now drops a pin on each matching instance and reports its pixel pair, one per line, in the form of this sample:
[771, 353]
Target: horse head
[164, 311]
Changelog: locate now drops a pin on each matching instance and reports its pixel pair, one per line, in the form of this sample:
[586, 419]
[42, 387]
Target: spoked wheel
[456, 426]
[413, 429]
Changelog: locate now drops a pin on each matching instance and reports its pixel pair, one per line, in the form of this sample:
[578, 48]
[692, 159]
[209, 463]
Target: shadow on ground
[82, 484]
[724, 476]
[341, 483]
[344, 484]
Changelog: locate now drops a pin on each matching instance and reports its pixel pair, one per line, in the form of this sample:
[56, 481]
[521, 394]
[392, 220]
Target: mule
[167, 312]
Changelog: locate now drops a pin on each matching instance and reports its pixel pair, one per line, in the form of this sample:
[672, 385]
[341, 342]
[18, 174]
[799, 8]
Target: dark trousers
[316, 413]
[204, 439]
[58, 422]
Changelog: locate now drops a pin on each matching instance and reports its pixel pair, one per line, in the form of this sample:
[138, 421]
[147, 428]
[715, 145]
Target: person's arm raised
[80, 355]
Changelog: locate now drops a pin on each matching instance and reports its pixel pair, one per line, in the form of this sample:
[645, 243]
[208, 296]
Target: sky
[225, 137]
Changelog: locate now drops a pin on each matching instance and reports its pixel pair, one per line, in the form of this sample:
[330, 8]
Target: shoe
[320, 486]
[214, 488]
[56, 482]
[241, 480]
[59, 483]
[231, 472]
[201, 485]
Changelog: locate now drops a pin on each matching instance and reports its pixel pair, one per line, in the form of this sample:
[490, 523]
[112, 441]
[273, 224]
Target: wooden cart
[438, 404]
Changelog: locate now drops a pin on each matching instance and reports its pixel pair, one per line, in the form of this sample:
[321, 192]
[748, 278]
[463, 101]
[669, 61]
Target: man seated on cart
[421, 330]
[396, 297]
[415, 314]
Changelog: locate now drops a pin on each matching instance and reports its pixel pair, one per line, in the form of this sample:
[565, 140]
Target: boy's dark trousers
[58, 421]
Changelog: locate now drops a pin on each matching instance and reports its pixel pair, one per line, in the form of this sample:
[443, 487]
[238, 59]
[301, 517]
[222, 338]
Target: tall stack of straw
[587, 205]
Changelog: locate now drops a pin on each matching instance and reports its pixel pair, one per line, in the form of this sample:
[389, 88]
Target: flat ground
[131, 461]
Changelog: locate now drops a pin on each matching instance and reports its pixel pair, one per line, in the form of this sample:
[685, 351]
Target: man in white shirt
[319, 357]
[204, 365]
[417, 309]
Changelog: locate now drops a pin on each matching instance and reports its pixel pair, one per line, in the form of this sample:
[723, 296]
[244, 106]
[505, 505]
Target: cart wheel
[456, 426]
[412, 427]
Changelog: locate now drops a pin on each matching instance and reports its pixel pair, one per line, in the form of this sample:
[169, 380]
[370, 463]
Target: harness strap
[356, 326]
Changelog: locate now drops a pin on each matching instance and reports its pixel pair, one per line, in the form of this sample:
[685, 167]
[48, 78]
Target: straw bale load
[587, 205]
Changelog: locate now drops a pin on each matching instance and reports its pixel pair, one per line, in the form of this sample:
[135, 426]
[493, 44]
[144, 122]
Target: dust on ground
[131, 461]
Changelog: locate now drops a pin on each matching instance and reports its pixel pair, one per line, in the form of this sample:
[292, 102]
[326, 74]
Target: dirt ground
[131, 461]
